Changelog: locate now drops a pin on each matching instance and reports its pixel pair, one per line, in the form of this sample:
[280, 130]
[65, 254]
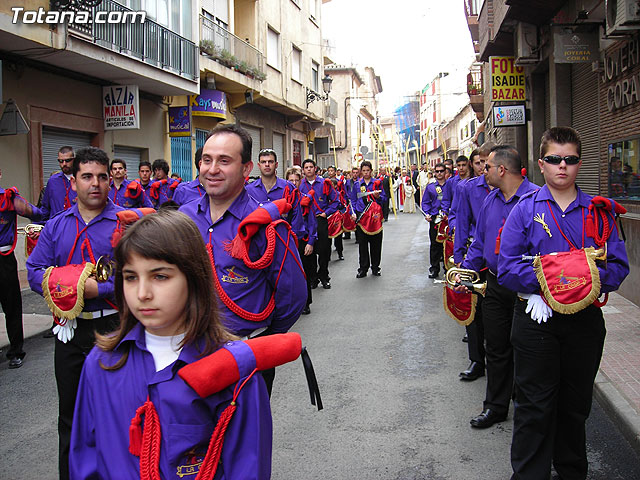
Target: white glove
[536, 307]
[65, 332]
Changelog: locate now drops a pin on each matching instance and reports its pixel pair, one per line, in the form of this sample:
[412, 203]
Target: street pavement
[387, 360]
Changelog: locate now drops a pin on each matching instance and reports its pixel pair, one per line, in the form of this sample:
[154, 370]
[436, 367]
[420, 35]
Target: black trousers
[385, 209]
[322, 250]
[435, 249]
[497, 316]
[11, 301]
[555, 367]
[369, 249]
[68, 361]
[308, 265]
[337, 242]
[475, 335]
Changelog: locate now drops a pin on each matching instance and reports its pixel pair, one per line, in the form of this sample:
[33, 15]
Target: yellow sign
[507, 80]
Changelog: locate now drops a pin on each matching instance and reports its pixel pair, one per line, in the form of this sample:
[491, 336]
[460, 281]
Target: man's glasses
[439, 171]
[65, 160]
[557, 159]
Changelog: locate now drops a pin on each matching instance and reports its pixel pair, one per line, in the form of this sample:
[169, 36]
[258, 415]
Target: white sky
[407, 42]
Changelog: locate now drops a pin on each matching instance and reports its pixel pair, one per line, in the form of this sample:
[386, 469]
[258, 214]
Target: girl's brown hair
[172, 237]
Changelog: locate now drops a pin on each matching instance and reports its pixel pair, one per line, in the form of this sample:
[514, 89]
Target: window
[624, 160]
[273, 48]
[296, 64]
[472, 127]
[315, 68]
[313, 9]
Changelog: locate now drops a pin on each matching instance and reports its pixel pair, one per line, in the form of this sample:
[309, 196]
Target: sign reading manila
[507, 80]
[121, 107]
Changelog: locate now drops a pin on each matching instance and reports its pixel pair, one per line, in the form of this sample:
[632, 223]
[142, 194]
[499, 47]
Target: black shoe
[315, 283]
[376, 272]
[15, 362]
[487, 418]
[326, 284]
[361, 274]
[306, 310]
[434, 275]
[48, 334]
[340, 257]
[465, 339]
[475, 371]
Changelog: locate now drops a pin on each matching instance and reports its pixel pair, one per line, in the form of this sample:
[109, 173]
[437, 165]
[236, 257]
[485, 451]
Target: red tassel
[590, 227]
[135, 436]
[236, 248]
[497, 251]
[523, 172]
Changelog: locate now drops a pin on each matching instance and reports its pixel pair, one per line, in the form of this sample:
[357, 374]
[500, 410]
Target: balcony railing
[224, 47]
[474, 80]
[149, 41]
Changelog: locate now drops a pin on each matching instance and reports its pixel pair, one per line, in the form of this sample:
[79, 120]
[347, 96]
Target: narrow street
[387, 361]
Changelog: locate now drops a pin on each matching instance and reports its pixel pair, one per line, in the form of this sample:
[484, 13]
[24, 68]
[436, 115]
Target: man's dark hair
[308, 160]
[366, 163]
[87, 155]
[198, 158]
[509, 157]
[448, 161]
[440, 165]
[461, 158]
[332, 166]
[160, 164]
[117, 160]
[235, 129]
[66, 149]
[144, 163]
[268, 152]
[561, 136]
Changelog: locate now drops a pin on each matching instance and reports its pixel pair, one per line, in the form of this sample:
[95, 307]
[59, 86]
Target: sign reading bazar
[507, 80]
[121, 107]
[622, 74]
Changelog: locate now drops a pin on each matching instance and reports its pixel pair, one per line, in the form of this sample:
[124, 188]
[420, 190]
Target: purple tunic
[257, 190]
[188, 191]
[522, 235]
[58, 237]
[492, 216]
[433, 201]
[250, 288]
[58, 196]
[329, 204]
[107, 401]
[473, 193]
[118, 196]
[362, 202]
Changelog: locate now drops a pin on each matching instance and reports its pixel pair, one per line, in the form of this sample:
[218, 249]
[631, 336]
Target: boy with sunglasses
[556, 355]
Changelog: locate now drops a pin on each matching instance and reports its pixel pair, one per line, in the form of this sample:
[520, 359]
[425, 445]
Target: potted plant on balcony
[226, 58]
[208, 48]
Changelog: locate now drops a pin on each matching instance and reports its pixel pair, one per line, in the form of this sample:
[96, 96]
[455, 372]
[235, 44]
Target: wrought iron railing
[474, 80]
[147, 41]
[229, 50]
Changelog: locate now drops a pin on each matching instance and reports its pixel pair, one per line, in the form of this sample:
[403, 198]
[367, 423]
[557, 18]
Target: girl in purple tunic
[135, 417]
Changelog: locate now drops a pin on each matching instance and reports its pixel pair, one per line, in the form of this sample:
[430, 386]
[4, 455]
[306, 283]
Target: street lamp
[312, 96]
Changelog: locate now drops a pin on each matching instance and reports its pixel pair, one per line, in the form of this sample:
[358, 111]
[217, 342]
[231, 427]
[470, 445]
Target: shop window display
[624, 176]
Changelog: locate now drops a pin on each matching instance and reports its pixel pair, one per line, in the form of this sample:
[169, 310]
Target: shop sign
[507, 80]
[572, 47]
[623, 88]
[210, 103]
[121, 107]
[509, 115]
[179, 122]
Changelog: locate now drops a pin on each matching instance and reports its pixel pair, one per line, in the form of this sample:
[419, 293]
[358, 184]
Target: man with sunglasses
[556, 355]
[58, 194]
[433, 205]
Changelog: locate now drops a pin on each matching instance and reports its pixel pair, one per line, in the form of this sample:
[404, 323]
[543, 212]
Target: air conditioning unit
[623, 16]
[526, 44]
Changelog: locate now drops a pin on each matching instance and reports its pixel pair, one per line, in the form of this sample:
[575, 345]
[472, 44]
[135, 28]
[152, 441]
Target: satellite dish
[364, 149]
[12, 122]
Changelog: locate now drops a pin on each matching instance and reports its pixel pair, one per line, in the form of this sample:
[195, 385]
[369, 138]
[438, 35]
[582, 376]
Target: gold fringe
[79, 305]
[472, 315]
[369, 233]
[575, 307]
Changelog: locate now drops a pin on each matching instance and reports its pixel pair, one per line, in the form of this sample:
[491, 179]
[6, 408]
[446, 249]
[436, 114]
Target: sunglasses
[66, 160]
[439, 171]
[557, 159]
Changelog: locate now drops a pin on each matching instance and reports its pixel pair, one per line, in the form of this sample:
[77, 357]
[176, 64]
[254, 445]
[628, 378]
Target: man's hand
[324, 215]
[353, 217]
[460, 288]
[376, 194]
[428, 218]
[91, 288]
[308, 249]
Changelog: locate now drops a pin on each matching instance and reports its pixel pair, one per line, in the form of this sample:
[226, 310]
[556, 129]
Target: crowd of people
[226, 261]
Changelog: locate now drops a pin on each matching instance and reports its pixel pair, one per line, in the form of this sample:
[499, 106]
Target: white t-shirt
[165, 350]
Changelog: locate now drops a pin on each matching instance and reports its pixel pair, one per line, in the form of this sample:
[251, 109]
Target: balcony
[147, 41]
[475, 88]
[225, 48]
[471, 12]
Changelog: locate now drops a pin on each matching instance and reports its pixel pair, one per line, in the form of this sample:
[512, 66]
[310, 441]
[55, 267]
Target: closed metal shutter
[181, 158]
[52, 140]
[547, 102]
[584, 118]
[255, 149]
[131, 156]
[201, 137]
[278, 147]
